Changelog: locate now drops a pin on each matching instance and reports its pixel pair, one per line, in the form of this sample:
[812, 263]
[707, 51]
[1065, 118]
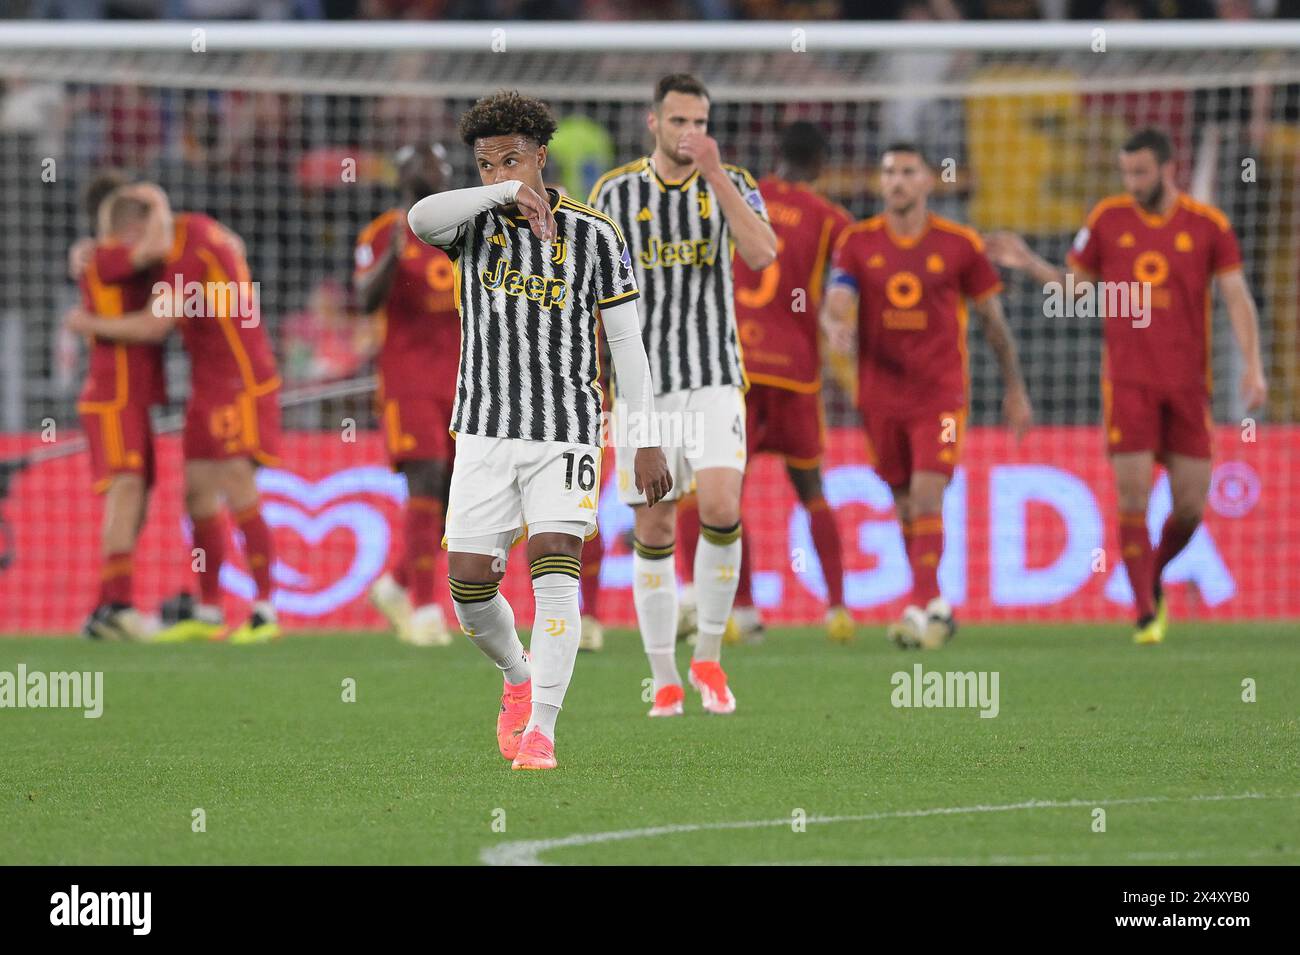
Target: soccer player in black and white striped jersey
[683, 211]
[534, 271]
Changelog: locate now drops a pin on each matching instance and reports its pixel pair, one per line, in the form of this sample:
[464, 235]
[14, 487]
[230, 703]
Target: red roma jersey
[119, 372]
[421, 349]
[912, 309]
[1179, 255]
[222, 324]
[780, 344]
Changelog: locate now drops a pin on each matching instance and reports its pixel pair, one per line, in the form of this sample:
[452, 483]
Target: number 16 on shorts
[581, 470]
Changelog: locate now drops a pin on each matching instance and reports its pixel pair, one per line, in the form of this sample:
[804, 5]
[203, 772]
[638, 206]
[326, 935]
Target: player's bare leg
[238, 482]
[654, 591]
[807, 483]
[717, 570]
[1189, 487]
[486, 617]
[114, 617]
[1133, 476]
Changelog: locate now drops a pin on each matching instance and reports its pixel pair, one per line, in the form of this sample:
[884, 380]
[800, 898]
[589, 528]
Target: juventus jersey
[681, 254]
[529, 356]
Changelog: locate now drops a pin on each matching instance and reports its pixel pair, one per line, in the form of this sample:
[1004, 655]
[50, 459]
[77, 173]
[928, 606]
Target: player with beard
[1156, 380]
[900, 281]
[684, 213]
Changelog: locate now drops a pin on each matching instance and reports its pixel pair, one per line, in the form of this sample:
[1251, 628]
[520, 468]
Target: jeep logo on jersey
[547, 292]
[668, 254]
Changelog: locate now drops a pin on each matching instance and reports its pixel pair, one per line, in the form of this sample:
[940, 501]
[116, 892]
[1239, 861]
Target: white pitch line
[528, 851]
[1043, 858]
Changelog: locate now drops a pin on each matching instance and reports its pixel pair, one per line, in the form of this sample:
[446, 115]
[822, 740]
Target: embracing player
[123, 381]
[411, 285]
[232, 420]
[683, 211]
[535, 270]
[1156, 381]
[900, 281]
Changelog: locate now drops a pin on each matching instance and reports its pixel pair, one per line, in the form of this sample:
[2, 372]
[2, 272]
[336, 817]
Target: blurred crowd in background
[652, 9]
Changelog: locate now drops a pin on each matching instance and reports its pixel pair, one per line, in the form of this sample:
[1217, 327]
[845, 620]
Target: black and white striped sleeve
[615, 280]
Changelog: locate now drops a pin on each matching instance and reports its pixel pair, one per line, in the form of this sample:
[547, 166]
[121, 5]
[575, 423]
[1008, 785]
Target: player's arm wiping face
[440, 220]
[746, 217]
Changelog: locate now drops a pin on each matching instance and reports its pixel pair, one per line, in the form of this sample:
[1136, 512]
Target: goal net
[286, 134]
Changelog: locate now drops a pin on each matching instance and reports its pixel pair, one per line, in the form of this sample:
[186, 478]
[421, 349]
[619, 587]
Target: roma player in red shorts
[776, 311]
[411, 286]
[122, 383]
[232, 421]
[902, 280]
[1163, 250]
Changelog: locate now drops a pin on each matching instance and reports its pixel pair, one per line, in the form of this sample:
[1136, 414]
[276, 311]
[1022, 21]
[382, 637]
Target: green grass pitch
[285, 771]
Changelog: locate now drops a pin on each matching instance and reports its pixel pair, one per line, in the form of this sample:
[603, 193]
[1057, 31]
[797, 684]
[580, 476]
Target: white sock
[489, 622]
[717, 574]
[543, 718]
[654, 592]
[557, 628]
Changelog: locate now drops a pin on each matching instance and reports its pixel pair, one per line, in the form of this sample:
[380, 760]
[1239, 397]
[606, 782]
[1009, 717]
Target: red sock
[257, 547]
[745, 583]
[593, 553]
[1135, 547]
[115, 578]
[210, 540]
[400, 574]
[826, 540]
[924, 553]
[688, 536]
[423, 541]
[1173, 538]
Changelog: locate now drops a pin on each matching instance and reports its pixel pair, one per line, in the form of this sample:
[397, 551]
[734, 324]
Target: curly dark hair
[504, 113]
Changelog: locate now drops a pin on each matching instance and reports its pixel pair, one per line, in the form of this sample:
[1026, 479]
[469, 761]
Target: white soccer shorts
[700, 428]
[501, 485]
